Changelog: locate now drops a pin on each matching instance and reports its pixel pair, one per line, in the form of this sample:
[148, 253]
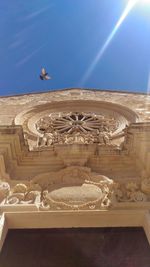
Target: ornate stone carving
[74, 127]
[74, 188]
[145, 185]
[4, 190]
[130, 192]
[69, 176]
[19, 194]
[76, 122]
[71, 188]
[90, 195]
[76, 197]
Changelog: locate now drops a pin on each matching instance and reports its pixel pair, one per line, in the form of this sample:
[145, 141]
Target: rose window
[76, 122]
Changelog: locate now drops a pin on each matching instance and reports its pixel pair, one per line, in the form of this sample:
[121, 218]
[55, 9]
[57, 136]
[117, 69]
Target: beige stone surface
[12, 106]
[75, 158]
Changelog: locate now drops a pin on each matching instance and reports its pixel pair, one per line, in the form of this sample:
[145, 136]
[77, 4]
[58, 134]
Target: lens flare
[125, 13]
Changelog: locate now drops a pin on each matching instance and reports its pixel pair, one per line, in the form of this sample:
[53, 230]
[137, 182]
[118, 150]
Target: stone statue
[46, 140]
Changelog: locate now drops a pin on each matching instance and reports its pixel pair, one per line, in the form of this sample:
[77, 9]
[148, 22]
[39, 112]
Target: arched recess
[28, 118]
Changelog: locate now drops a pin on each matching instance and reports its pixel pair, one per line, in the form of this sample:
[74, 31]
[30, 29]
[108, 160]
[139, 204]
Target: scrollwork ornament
[56, 199]
[21, 194]
[136, 196]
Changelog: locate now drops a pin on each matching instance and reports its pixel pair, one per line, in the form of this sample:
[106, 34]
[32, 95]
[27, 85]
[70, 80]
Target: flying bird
[44, 75]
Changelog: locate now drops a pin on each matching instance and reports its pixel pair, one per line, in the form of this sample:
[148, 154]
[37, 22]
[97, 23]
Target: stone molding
[30, 118]
[75, 184]
[140, 103]
[75, 188]
[17, 162]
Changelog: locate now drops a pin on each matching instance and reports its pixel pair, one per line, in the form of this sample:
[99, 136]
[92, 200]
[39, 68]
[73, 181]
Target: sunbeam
[126, 11]
[148, 84]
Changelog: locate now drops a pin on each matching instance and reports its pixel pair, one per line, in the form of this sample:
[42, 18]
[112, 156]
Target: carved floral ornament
[76, 127]
[68, 189]
[74, 188]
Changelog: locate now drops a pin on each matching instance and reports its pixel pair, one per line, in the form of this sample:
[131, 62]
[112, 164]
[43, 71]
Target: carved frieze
[76, 122]
[75, 127]
[20, 194]
[73, 188]
[89, 195]
[133, 191]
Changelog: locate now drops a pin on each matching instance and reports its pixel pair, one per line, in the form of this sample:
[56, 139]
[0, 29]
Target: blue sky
[65, 36]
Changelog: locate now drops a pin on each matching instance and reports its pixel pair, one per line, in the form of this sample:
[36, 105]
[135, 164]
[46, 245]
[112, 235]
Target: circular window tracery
[88, 122]
[76, 122]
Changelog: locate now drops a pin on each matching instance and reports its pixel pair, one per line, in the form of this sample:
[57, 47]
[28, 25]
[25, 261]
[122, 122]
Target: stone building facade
[75, 158]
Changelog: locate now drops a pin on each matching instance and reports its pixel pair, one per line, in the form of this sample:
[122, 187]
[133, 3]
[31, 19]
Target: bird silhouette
[44, 75]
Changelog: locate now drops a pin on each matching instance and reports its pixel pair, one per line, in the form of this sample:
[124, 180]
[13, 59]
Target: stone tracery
[75, 127]
[76, 122]
[116, 151]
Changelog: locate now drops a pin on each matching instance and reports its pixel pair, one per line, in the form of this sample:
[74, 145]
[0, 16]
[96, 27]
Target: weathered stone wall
[10, 107]
[50, 169]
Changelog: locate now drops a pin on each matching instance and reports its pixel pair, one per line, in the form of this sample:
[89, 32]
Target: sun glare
[130, 5]
[127, 10]
[141, 2]
[144, 1]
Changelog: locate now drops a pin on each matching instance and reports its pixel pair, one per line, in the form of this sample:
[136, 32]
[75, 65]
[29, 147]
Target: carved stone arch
[30, 117]
[83, 198]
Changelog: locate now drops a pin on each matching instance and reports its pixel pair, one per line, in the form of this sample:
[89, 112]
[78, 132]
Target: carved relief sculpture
[84, 152]
[72, 188]
[131, 192]
[75, 127]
